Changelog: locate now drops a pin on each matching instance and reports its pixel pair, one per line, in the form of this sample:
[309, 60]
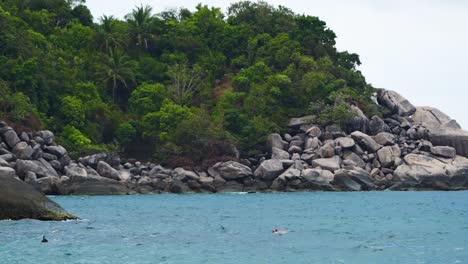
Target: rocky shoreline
[413, 148]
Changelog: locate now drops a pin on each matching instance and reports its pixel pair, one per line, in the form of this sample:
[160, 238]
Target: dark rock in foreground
[20, 200]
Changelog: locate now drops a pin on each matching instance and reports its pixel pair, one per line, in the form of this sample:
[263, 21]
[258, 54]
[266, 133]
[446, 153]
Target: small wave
[76, 220]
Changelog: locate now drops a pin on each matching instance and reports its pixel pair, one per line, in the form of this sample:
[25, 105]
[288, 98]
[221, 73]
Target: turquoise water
[371, 227]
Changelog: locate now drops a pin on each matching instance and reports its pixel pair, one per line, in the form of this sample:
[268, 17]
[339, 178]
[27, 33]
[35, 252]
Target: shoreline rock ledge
[410, 148]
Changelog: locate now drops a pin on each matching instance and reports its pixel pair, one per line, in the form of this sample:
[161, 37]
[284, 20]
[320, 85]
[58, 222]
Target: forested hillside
[177, 86]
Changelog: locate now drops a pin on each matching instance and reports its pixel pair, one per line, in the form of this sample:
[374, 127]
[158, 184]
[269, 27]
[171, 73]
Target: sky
[418, 48]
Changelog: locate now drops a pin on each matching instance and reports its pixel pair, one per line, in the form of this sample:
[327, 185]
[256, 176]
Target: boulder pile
[410, 148]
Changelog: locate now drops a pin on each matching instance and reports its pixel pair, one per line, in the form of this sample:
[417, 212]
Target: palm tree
[139, 21]
[107, 34]
[118, 70]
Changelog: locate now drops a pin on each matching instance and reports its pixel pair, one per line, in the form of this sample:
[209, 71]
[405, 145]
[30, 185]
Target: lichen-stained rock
[395, 102]
[232, 170]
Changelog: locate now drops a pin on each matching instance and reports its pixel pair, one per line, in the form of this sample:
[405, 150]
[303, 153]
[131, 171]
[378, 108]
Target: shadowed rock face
[20, 200]
[442, 130]
[395, 102]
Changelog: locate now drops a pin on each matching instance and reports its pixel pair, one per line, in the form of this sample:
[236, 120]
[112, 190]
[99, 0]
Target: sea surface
[361, 227]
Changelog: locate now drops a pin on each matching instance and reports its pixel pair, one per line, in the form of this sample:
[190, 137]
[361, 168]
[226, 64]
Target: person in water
[44, 240]
[279, 232]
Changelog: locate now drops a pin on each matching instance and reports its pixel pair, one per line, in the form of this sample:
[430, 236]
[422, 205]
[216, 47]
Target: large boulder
[47, 136]
[23, 151]
[433, 118]
[269, 169]
[93, 160]
[40, 167]
[366, 141]
[349, 155]
[423, 171]
[300, 121]
[317, 176]
[184, 175]
[314, 131]
[92, 185]
[358, 121]
[58, 151]
[7, 172]
[74, 170]
[440, 129]
[387, 155]
[327, 150]
[275, 141]
[231, 170]
[105, 170]
[345, 142]
[11, 138]
[355, 179]
[395, 102]
[444, 151]
[280, 154]
[385, 139]
[330, 164]
[377, 125]
[20, 200]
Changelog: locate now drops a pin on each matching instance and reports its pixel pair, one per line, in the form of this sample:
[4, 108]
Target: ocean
[324, 227]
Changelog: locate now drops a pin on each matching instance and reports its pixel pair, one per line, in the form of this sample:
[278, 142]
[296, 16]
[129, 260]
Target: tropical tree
[139, 21]
[117, 70]
[107, 34]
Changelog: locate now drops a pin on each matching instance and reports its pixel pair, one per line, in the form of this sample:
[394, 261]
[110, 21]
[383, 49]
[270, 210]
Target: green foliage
[185, 83]
[125, 133]
[147, 98]
[170, 116]
[14, 106]
[73, 111]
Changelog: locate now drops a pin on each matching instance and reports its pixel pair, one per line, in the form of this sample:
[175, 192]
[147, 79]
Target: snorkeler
[279, 232]
[44, 240]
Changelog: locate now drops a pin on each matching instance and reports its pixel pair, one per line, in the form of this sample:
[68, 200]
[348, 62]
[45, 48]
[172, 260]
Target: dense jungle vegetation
[180, 86]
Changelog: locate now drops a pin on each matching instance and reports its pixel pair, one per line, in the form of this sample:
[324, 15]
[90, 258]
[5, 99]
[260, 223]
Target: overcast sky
[417, 47]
